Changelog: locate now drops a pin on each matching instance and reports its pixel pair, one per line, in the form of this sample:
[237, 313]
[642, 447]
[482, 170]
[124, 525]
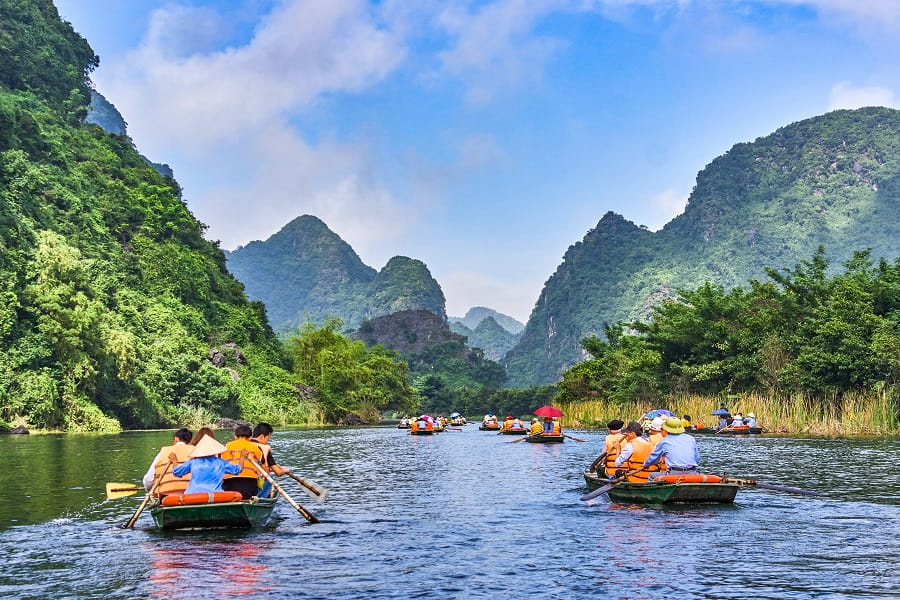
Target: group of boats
[228, 510]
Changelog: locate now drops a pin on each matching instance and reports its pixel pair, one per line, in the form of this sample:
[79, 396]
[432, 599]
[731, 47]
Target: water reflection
[193, 563]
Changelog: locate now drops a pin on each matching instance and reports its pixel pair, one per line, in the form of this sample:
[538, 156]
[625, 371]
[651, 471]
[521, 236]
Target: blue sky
[481, 137]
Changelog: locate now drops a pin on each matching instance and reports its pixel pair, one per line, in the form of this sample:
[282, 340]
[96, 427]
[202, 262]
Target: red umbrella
[548, 411]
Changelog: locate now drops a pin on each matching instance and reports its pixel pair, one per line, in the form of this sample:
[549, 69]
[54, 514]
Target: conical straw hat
[207, 446]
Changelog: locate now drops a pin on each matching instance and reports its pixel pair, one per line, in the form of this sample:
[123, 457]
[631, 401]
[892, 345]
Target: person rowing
[678, 448]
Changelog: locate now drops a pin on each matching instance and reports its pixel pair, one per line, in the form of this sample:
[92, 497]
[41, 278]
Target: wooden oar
[597, 462]
[524, 437]
[572, 438]
[610, 485]
[313, 489]
[120, 490]
[769, 486]
[156, 481]
[306, 514]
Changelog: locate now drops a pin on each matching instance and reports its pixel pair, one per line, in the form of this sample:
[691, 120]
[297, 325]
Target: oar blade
[312, 489]
[120, 490]
[599, 491]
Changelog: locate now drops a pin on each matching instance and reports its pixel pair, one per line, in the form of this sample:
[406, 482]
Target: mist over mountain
[832, 180]
[477, 314]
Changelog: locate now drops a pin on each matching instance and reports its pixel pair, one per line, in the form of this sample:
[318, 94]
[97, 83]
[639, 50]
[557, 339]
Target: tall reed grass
[852, 413]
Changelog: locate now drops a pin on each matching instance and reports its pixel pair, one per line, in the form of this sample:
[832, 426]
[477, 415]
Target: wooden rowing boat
[489, 427]
[665, 493]
[543, 438]
[726, 431]
[422, 432]
[242, 514]
[514, 431]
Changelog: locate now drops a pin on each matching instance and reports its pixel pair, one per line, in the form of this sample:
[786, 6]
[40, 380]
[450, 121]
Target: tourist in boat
[633, 454]
[507, 423]
[557, 426]
[247, 480]
[686, 422]
[612, 444]
[750, 420]
[737, 422]
[678, 448]
[262, 433]
[548, 426]
[656, 430]
[536, 427]
[205, 466]
[160, 469]
[200, 433]
[517, 424]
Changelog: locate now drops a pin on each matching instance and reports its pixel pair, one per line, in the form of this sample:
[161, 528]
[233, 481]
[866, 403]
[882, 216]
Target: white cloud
[664, 207]
[844, 95]
[496, 46]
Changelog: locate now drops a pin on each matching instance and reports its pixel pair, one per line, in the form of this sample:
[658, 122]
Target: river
[464, 514]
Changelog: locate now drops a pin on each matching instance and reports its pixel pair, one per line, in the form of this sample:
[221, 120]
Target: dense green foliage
[303, 273]
[802, 331]
[832, 180]
[404, 284]
[114, 309]
[347, 376]
[446, 373]
[306, 272]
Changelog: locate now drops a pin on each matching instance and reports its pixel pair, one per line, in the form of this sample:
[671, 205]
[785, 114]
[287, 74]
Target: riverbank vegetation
[806, 351]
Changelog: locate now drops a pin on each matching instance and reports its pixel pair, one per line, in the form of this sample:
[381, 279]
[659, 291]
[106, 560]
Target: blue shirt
[206, 472]
[680, 450]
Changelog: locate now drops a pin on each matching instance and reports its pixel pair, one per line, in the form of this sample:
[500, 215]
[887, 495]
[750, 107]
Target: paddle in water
[313, 489]
[157, 480]
[769, 486]
[602, 490]
[306, 514]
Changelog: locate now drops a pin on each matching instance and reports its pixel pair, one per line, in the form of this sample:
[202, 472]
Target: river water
[464, 514]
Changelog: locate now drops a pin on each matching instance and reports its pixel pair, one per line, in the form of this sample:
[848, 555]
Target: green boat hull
[245, 514]
[666, 493]
[514, 432]
[422, 431]
[545, 439]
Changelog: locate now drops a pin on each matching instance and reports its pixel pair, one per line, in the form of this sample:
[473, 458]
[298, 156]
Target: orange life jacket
[641, 449]
[169, 484]
[233, 454]
[613, 447]
[537, 428]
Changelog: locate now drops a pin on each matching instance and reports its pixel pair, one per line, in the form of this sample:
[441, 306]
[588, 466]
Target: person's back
[161, 469]
[641, 450]
[205, 467]
[247, 480]
[536, 427]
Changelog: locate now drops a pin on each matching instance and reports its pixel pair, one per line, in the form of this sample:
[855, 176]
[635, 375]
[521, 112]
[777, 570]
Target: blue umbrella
[660, 412]
[720, 411]
[454, 414]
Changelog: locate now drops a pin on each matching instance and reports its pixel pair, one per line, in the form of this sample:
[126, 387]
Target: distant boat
[545, 438]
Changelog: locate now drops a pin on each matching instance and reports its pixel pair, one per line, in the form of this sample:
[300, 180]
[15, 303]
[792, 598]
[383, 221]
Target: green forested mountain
[404, 284]
[114, 310]
[446, 373]
[306, 272]
[833, 180]
[487, 335]
[477, 314]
